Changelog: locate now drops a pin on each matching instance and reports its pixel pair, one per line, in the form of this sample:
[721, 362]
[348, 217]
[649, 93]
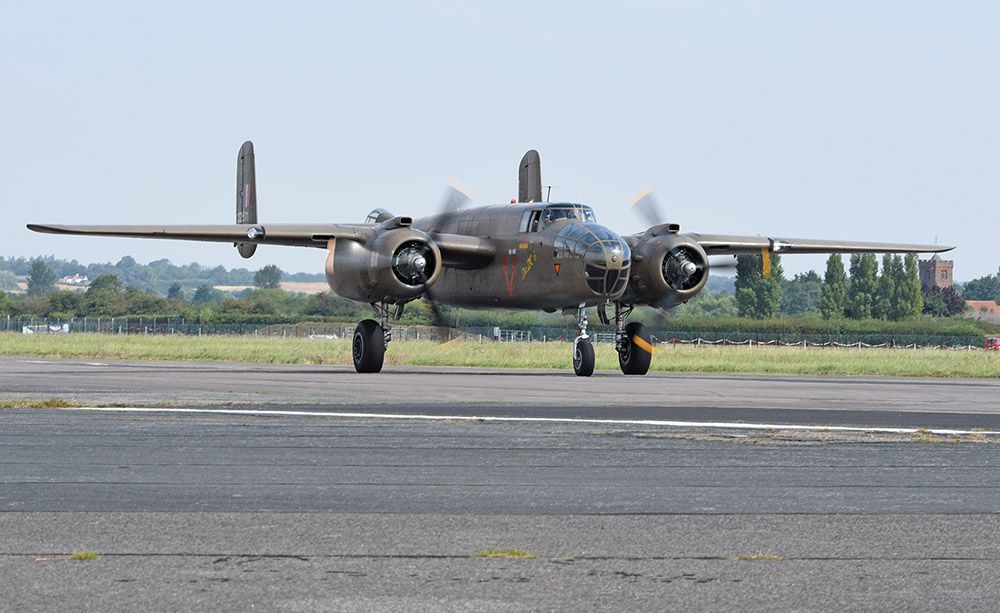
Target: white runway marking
[553, 420]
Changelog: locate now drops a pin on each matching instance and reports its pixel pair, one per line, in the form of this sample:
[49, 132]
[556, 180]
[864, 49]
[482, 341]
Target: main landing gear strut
[632, 343]
[583, 349]
[371, 338]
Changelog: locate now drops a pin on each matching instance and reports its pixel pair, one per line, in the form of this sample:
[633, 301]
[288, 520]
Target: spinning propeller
[457, 197]
[646, 205]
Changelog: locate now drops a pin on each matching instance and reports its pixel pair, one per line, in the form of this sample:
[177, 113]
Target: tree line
[858, 292]
[157, 276]
[109, 296]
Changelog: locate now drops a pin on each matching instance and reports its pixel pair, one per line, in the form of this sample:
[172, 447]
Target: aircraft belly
[518, 278]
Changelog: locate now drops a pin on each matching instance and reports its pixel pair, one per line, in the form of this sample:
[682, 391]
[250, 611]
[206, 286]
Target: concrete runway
[316, 512]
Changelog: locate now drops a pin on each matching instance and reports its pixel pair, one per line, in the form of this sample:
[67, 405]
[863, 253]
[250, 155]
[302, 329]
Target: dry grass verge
[533, 356]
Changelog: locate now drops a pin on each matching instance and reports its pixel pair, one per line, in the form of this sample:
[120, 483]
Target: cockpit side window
[539, 219]
[526, 221]
[533, 221]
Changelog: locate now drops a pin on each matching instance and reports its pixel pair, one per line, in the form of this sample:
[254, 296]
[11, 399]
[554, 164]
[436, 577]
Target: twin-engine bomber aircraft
[531, 254]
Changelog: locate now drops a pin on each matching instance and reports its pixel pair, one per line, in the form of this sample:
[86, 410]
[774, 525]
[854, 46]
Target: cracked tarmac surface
[195, 512]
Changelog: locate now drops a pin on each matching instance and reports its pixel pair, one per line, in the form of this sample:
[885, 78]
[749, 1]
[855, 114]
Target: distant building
[76, 280]
[936, 272]
[987, 310]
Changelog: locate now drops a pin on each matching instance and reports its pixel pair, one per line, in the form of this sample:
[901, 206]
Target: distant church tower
[936, 272]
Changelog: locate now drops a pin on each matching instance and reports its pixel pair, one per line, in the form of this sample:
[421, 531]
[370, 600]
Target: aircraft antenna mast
[548, 192]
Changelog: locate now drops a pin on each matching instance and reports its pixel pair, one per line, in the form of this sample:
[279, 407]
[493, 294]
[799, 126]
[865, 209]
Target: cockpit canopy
[536, 220]
[607, 257]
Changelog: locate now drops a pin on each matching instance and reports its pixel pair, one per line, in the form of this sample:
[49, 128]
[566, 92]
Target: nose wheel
[583, 357]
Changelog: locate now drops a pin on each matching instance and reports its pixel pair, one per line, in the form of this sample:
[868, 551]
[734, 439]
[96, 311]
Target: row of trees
[41, 279]
[983, 288]
[109, 296]
[157, 276]
[895, 294]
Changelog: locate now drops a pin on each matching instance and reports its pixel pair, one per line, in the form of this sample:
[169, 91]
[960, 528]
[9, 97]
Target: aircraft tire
[368, 346]
[583, 357]
[636, 357]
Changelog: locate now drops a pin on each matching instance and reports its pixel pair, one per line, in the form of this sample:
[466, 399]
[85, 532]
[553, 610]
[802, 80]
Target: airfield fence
[173, 325]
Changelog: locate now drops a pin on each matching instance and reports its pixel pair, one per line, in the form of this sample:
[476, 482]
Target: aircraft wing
[724, 244]
[301, 235]
[458, 251]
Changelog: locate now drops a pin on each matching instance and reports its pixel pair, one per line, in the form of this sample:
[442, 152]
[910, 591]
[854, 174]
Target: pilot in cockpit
[552, 214]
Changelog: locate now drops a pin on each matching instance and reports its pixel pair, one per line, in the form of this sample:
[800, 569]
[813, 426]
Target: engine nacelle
[667, 270]
[395, 266]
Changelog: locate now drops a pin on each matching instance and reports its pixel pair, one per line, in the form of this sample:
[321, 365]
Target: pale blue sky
[853, 120]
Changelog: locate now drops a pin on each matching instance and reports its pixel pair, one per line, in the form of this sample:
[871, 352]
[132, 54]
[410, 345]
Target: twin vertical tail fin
[529, 178]
[246, 195]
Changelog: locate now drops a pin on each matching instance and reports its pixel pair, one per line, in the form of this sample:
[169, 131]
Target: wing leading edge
[724, 244]
[459, 251]
[272, 234]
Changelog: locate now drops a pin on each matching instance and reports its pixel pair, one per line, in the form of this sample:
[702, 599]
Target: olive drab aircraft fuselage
[530, 254]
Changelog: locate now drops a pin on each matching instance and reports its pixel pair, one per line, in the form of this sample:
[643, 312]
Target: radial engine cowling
[667, 270]
[394, 266]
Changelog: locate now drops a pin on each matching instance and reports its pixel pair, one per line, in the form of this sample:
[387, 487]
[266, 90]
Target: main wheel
[368, 347]
[634, 359]
[583, 357]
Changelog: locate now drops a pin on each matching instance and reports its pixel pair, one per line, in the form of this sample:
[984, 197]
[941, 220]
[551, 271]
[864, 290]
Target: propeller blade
[662, 315]
[437, 317]
[457, 197]
[645, 204]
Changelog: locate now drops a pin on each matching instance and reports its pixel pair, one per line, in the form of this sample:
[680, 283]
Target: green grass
[510, 554]
[531, 356]
[84, 554]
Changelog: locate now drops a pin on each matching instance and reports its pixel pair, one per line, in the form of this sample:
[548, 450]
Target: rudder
[246, 194]
[529, 178]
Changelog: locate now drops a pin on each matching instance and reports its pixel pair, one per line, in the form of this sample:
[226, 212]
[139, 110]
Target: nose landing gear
[632, 342]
